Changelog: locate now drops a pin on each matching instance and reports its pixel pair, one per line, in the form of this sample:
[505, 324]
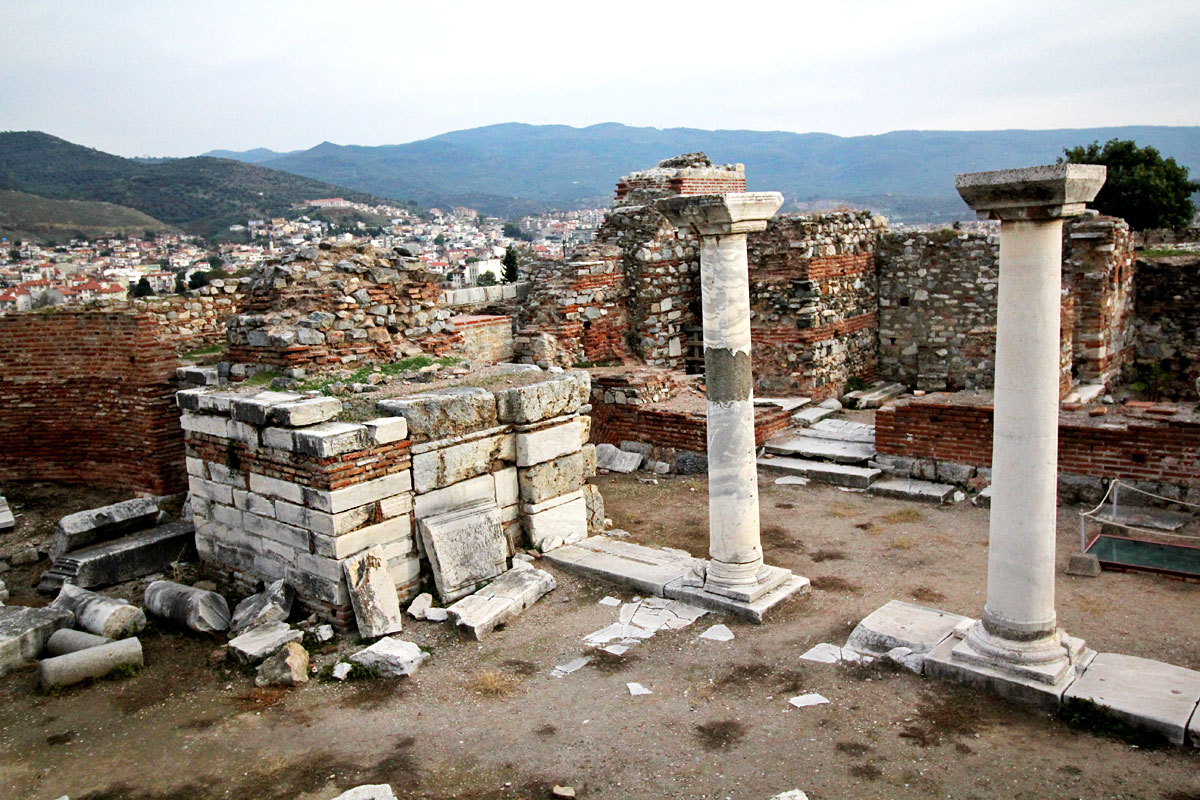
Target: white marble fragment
[610, 601]
[569, 667]
[718, 633]
[823, 653]
[636, 689]
[810, 699]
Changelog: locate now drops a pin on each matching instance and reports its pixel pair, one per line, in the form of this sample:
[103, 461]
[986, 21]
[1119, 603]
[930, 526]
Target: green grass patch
[262, 378]
[121, 672]
[1165, 252]
[357, 673]
[207, 350]
[360, 375]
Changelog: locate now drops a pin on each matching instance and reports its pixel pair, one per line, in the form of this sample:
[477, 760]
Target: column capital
[721, 214]
[1054, 191]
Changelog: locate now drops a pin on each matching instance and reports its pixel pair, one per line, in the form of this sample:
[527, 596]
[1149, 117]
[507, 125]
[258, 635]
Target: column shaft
[1020, 597]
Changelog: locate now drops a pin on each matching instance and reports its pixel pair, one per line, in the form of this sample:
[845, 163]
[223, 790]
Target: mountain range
[513, 168]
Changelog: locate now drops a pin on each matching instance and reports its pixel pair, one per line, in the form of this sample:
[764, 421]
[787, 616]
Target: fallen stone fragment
[502, 599]
[272, 604]
[420, 604]
[195, 609]
[569, 667]
[257, 643]
[341, 670]
[7, 520]
[465, 547]
[287, 667]
[324, 633]
[132, 555]
[94, 662]
[372, 593]
[823, 653]
[24, 555]
[610, 601]
[636, 689]
[616, 649]
[101, 524]
[793, 794]
[3, 593]
[65, 641]
[905, 657]
[614, 460]
[371, 791]
[24, 632]
[791, 480]
[1085, 565]
[718, 633]
[103, 616]
[391, 657]
[810, 699]
[563, 791]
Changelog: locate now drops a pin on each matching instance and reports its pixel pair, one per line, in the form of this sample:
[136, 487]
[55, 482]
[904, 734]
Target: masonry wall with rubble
[198, 318]
[814, 302]
[1167, 325]
[949, 436]
[281, 489]
[86, 398]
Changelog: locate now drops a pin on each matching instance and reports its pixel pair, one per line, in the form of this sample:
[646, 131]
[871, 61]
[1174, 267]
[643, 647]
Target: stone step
[842, 430]
[837, 474]
[809, 416]
[824, 449]
[876, 395]
[919, 491]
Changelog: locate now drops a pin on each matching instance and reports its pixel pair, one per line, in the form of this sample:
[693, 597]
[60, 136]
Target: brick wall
[1133, 442]
[1098, 272]
[485, 337]
[86, 399]
[1167, 324]
[663, 427]
[813, 301]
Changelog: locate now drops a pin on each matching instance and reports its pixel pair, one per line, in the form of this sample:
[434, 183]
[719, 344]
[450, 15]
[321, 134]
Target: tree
[439, 240]
[1143, 188]
[199, 279]
[215, 261]
[510, 265]
[486, 279]
[180, 286]
[143, 289]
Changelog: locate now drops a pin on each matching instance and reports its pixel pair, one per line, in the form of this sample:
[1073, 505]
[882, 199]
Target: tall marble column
[1018, 634]
[735, 568]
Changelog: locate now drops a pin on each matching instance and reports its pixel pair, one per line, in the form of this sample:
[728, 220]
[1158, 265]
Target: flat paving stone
[810, 416]
[847, 475]
[842, 430]
[901, 624]
[786, 403]
[645, 569]
[1147, 694]
[916, 490]
[815, 447]
[1144, 517]
[876, 395]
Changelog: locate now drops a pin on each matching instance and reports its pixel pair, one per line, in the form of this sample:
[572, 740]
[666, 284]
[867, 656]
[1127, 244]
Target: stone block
[330, 439]
[261, 641]
[360, 494]
[549, 526]
[287, 667]
[315, 587]
[196, 609]
[446, 412]
[24, 632]
[210, 490]
[594, 502]
[132, 556]
[465, 547]
[557, 395]
[253, 503]
[507, 487]
[915, 490]
[501, 600]
[397, 529]
[396, 505]
[900, 624]
[1146, 694]
[205, 424]
[459, 495]
[320, 521]
[551, 479]
[391, 657]
[309, 411]
[1084, 565]
[385, 430]
[101, 524]
[255, 410]
[224, 475]
[272, 604]
[440, 468]
[7, 520]
[588, 456]
[95, 613]
[373, 594]
[276, 488]
[611, 458]
[535, 447]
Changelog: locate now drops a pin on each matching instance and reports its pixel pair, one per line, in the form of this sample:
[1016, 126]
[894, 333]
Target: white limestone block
[459, 495]
[385, 430]
[391, 657]
[372, 594]
[440, 468]
[465, 548]
[534, 447]
[338, 500]
[558, 525]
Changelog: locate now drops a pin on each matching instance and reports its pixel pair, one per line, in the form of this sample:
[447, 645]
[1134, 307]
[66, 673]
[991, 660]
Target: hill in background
[27, 216]
[201, 195]
[512, 169]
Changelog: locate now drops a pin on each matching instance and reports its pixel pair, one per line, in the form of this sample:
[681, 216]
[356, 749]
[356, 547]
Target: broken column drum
[1018, 632]
[736, 567]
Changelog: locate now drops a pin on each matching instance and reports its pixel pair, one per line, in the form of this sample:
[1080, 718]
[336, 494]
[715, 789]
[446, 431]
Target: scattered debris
[718, 633]
[65, 641]
[793, 794]
[569, 667]
[636, 689]
[324, 633]
[616, 649]
[272, 604]
[195, 609]
[92, 663]
[823, 653]
[610, 601]
[563, 791]
[342, 670]
[391, 657]
[260, 642]
[103, 616]
[24, 632]
[810, 699]
[611, 458]
[372, 791]
[420, 604]
[287, 667]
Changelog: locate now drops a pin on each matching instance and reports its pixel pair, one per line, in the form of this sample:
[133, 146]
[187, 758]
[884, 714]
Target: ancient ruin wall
[1167, 324]
[86, 398]
[1098, 272]
[486, 338]
[191, 320]
[813, 300]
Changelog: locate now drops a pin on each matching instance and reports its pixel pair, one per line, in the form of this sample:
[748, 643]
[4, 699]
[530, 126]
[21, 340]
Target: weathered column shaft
[732, 475]
[1020, 598]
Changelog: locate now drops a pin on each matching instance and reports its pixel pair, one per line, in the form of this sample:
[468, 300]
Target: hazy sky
[179, 78]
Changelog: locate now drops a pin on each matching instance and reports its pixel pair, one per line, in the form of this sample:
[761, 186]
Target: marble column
[735, 568]
[1018, 633]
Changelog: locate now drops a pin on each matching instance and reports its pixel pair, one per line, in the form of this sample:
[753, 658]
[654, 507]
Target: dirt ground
[487, 720]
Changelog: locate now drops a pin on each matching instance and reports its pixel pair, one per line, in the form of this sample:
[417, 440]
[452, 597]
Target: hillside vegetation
[202, 195]
[27, 216]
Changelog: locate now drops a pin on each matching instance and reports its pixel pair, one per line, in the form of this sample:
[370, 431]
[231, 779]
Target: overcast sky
[179, 78]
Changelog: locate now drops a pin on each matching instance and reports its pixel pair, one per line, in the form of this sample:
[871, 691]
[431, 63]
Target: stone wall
[813, 300]
[486, 338]
[1098, 272]
[86, 398]
[281, 489]
[691, 173]
[198, 318]
[339, 304]
[1155, 447]
[1167, 325]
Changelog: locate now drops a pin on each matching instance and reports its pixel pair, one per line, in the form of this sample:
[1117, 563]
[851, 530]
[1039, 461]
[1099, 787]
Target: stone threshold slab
[916, 490]
[817, 447]
[838, 474]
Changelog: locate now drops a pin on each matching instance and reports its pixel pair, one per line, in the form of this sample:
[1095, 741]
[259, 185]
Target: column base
[750, 603]
[741, 585]
[1035, 672]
